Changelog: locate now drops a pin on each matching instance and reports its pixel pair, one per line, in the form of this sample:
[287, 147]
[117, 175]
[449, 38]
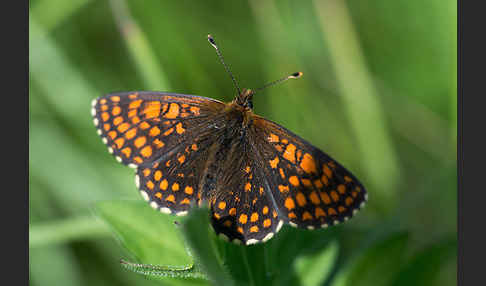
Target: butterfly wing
[164, 136]
[241, 210]
[310, 188]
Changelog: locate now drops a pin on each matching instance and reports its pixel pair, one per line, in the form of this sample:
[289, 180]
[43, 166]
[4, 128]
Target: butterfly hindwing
[311, 189]
[241, 210]
[138, 127]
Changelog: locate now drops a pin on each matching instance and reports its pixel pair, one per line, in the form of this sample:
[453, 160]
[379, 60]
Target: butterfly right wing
[310, 188]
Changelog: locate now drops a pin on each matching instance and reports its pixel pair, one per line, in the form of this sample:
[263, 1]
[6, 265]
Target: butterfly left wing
[310, 188]
[164, 136]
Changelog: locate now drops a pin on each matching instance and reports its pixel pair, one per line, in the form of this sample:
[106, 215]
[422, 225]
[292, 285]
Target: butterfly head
[245, 99]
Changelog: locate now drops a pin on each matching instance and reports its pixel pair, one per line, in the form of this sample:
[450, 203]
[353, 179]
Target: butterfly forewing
[311, 189]
[139, 127]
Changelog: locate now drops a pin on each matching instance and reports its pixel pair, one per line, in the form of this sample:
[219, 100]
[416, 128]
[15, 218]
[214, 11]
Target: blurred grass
[378, 94]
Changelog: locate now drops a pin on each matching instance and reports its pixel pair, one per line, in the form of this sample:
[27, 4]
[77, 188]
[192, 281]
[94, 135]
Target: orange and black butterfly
[255, 174]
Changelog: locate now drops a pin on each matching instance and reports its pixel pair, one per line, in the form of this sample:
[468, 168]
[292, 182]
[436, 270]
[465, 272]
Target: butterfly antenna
[294, 75]
[220, 56]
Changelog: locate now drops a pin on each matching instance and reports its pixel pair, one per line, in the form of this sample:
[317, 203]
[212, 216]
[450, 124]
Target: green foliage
[378, 94]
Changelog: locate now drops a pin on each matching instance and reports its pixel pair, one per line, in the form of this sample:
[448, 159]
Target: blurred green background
[378, 94]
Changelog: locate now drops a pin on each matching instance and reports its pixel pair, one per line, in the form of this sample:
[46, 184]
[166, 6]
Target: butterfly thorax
[242, 107]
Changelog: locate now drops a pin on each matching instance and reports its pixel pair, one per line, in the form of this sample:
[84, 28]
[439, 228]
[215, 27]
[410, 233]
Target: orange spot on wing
[306, 182]
[159, 144]
[194, 147]
[131, 133]
[135, 119]
[115, 98]
[265, 210]
[123, 127]
[274, 162]
[104, 107]
[227, 223]
[127, 151]
[146, 151]
[294, 181]
[132, 113]
[341, 189]
[144, 125]
[106, 126]
[105, 116]
[173, 111]
[240, 229]
[194, 110]
[334, 196]
[308, 164]
[168, 131]
[331, 211]
[285, 141]
[135, 104]
[243, 219]
[146, 172]
[325, 180]
[158, 175]
[247, 187]
[164, 184]
[301, 200]
[133, 95]
[170, 198]
[289, 203]
[138, 160]
[117, 120]
[348, 201]
[273, 138]
[185, 201]
[102, 101]
[341, 209]
[175, 187]
[232, 211]
[314, 198]
[267, 222]
[325, 198]
[222, 205]
[181, 159]
[282, 174]
[306, 216]
[347, 179]
[154, 131]
[292, 215]
[158, 195]
[327, 171]
[318, 184]
[112, 134]
[119, 142]
[152, 110]
[140, 141]
[289, 153]
[254, 217]
[254, 228]
[179, 128]
[189, 190]
[283, 188]
[150, 185]
[116, 110]
[320, 212]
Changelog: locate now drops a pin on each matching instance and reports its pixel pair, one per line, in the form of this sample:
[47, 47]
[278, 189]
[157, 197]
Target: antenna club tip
[296, 75]
[211, 40]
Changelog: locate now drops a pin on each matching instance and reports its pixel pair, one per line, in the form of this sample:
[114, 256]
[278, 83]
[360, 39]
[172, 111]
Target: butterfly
[254, 174]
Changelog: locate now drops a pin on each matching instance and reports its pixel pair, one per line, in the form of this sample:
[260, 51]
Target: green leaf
[201, 240]
[152, 237]
[425, 266]
[377, 265]
[315, 268]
